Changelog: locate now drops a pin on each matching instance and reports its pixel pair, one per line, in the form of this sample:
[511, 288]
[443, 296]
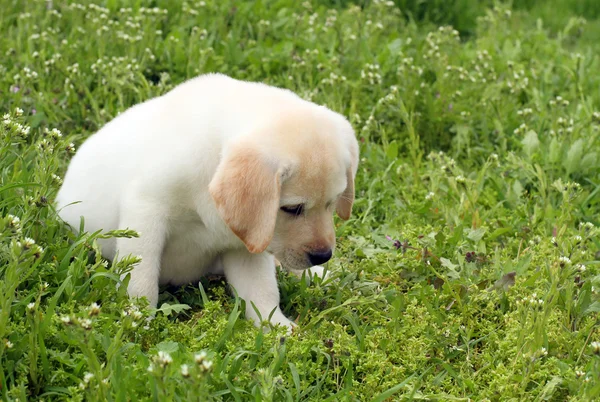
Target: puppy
[218, 176]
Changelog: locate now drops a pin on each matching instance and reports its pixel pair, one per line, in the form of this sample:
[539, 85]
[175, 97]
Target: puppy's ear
[246, 189]
[344, 204]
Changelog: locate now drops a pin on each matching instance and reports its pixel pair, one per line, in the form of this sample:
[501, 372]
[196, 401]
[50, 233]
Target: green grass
[469, 271]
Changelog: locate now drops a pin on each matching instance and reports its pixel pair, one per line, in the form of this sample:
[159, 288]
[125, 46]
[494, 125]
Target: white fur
[150, 168]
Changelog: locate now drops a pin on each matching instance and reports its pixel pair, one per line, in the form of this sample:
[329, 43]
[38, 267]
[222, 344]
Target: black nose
[319, 257]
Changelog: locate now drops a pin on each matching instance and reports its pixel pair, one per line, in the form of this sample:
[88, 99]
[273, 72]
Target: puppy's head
[278, 187]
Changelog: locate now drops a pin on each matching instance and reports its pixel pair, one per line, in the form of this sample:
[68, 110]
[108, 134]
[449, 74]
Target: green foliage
[469, 270]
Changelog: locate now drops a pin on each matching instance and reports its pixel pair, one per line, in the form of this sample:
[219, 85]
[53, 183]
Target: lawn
[470, 269]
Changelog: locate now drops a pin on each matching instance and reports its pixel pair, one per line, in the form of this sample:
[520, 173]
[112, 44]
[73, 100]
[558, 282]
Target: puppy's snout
[319, 257]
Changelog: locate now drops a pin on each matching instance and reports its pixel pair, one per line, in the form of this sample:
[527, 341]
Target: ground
[470, 269]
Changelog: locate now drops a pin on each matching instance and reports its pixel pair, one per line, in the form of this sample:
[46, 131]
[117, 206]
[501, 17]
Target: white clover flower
[38, 251]
[94, 309]
[14, 222]
[65, 319]
[8, 344]
[18, 112]
[207, 365]
[56, 178]
[164, 358]
[87, 377]
[86, 324]
[565, 260]
[185, 370]
[200, 357]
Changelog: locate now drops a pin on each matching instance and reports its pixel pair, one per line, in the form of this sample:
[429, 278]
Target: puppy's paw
[278, 319]
[289, 325]
[142, 288]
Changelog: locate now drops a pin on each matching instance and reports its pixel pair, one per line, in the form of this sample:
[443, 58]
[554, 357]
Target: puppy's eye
[293, 209]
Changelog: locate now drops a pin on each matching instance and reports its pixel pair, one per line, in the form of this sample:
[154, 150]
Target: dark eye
[293, 209]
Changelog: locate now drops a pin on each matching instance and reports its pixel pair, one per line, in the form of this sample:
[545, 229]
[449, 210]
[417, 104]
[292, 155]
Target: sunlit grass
[470, 269]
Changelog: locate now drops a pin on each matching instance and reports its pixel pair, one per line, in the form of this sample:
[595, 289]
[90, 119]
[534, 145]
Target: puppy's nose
[319, 257]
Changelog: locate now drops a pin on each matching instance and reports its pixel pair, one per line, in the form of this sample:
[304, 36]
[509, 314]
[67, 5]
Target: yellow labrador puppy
[218, 176]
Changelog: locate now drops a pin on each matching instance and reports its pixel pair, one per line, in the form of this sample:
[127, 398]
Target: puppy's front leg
[253, 278]
[147, 220]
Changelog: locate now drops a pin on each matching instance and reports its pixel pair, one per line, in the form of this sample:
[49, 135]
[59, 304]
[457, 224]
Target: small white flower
[207, 365]
[564, 260]
[151, 368]
[28, 242]
[94, 309]
[18, 112]
[8, 344]
[595, 347]
[544, 352]
[200, 357]
[430, 195]
[65, 319]
[578, 239]
[581, 268]
[87, 377]
[86, 323]
[31, 306]
[164, 358]
[185, 370]
[579, 373]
